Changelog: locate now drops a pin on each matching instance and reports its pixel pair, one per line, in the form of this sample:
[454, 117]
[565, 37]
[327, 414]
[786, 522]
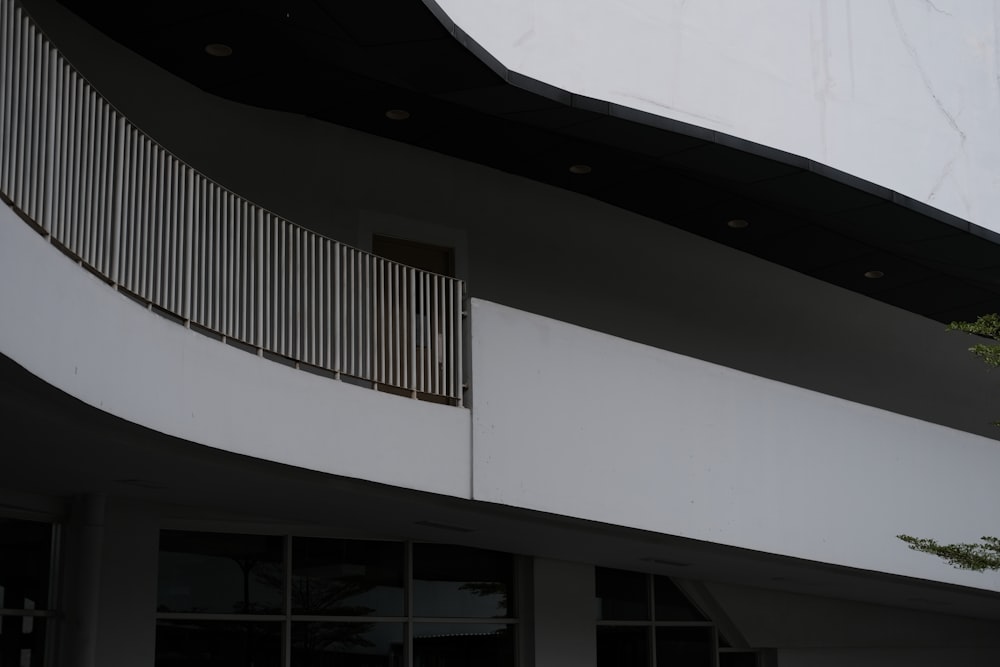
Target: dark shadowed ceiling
[350, 62]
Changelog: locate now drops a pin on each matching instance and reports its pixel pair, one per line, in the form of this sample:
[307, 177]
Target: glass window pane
[460, 582]
[738, 659]
[671, 604]
[220, 573]
[22, 641]
[462, 644]
[347, 577]
[621, 595]
[353, 644]
[218, 644]
[685, 647]
[622, 646]
[24, 564]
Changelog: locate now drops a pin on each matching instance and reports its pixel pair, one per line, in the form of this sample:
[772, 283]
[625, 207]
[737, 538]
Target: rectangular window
[644, 620]
[25, 588]
[242, 600]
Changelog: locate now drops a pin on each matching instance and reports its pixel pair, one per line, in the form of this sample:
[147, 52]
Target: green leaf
[981, 556]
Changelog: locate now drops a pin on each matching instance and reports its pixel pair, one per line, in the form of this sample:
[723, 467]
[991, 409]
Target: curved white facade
[902, 94]
[638, 398]
[73, 331]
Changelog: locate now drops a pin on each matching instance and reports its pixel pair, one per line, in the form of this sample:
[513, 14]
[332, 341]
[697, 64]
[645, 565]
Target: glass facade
[242, 600]
[347, 577]
[193, 643]
[25, 587]
[644, 620]
[460, 582]
[319, 644]
[206, 572]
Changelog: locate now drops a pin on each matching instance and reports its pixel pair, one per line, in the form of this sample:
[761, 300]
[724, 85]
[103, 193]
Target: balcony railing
[153, 226]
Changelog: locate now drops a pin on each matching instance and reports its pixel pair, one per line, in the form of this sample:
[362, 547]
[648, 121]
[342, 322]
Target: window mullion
[286, 645]
[651, 633]
[408, 603]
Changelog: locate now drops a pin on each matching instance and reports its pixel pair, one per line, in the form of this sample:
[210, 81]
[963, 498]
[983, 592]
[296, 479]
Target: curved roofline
[630, 114]
[348, 64]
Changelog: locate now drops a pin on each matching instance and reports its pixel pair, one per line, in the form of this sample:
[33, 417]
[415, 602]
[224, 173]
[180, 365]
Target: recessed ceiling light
[873, 275]
[219, 50]
[737, 223]
[397, 114]
[580, 169]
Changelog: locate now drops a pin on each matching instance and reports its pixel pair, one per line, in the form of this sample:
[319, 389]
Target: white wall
[578, 423]
[72, 330]
[547, 250]
[901, 93]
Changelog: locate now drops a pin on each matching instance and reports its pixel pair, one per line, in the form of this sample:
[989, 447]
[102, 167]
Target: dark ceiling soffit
[729, 141]
[805, 216]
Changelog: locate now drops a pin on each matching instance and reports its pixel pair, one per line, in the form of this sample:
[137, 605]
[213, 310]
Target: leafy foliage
[980, 557]
[984, 555]
[988, 326]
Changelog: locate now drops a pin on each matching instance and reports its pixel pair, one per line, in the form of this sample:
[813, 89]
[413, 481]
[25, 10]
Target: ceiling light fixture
[737, 223]
[580, 169]
[873, 275]
[219, 50]
[397, 114]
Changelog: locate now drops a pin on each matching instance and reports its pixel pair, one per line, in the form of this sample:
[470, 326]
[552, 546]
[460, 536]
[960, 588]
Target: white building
[670, 375]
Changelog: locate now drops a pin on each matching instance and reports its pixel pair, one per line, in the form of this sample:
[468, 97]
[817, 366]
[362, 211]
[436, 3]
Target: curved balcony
[156, 229]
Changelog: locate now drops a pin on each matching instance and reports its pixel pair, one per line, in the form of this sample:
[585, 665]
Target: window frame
[651, 624]
[408, 619]
[49, 612]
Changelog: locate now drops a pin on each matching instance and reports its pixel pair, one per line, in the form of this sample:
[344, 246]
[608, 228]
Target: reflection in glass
[622, 646]
[347, 577]
[684, 647]
[218, 644]
[355, 644]
[671, 604]
[22, 641]
[621, 595]
[220, 573]
[24, 564]
[462, 644]
[461, 582]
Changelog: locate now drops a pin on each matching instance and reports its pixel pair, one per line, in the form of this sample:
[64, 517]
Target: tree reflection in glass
[461, 644]
[220, 573]
[322, 644]
[333, 577]
[461, 582]
[217, 644]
